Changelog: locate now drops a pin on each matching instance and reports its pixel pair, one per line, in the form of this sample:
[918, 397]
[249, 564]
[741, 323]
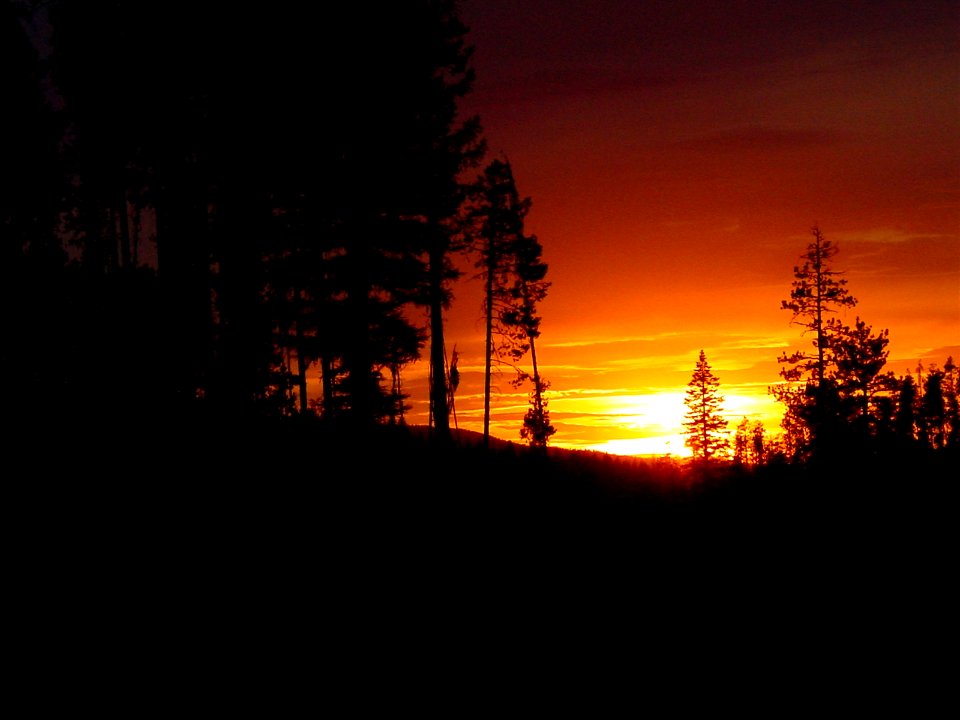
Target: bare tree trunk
[537, 396]
[488, 346]
[326, 381]
[302, 364]
[440, 412]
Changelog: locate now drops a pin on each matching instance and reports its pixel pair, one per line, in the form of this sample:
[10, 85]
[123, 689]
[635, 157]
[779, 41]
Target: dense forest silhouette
[200, 205]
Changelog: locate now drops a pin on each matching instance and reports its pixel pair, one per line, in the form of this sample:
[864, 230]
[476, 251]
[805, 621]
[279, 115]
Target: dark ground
[166, 561]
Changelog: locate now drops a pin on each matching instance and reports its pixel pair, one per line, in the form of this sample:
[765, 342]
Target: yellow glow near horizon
[658, 445]
[655, 421]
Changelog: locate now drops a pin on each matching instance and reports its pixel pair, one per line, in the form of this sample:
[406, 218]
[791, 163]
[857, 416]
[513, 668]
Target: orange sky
[677, 154]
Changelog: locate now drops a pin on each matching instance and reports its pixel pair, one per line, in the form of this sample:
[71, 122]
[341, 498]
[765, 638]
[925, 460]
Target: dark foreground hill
[252, 544]
[396, 487]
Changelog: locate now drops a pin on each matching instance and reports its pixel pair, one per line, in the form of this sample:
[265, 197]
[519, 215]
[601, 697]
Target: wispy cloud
[589, 342]
[667, 362]
[886, 236]
[754, 343]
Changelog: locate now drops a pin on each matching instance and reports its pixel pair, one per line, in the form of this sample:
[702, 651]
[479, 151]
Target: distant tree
[704, 426]
[817, 291]
[951, 393]
[933, 410]
[741, 443]
[749, 443]
[905, 418]
[759, 443]
[859, 358]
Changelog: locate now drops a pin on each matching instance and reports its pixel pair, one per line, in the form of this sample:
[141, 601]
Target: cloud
[589, 342]
[886, 236]
[754, 343]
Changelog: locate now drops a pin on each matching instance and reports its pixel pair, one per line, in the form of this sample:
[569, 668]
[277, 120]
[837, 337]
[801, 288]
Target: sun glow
[659, 445]
[649, 424]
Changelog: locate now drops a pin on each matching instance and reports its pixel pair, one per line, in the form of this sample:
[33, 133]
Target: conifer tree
[951, 393]
[705, 426]
[519, 321]
[749, 446]
[817, 290]
[759, 444]
[860, 357]
[741, 443]
[497, 217]
[933, 409]
[814, 407]
[512, 267]
[443, 146]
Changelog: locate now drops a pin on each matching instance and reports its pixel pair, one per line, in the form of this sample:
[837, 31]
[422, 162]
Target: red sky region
[677, 155]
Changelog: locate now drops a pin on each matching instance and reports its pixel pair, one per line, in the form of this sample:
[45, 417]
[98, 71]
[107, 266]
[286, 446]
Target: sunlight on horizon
[650, 424]
[658, 445]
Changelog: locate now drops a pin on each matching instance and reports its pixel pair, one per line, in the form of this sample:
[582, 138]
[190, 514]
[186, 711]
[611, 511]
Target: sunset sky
[677, 154]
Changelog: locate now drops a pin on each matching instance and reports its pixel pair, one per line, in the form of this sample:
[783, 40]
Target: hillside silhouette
[175, 264]
[399, 487]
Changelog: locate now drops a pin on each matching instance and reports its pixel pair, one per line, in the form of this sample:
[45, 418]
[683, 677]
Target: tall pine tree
[511, 265]
[704, 426]
[813, 408]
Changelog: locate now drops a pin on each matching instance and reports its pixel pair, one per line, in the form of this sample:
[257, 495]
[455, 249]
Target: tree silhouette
[905, 417]
[432, 45]
[514, 273]
[705, 426]
[529, 288]
[859, 358]
[497, 215]
[35, 288]
[304, 233]
[951, 392]
[933, 410]
[817, 290]
[813, 411]
[749, 443]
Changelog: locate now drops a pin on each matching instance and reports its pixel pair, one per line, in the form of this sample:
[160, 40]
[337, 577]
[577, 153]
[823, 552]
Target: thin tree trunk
[537, 397]
[301, 369]
[326, 382]
[821, 362]
[488, 346]
[438, 386]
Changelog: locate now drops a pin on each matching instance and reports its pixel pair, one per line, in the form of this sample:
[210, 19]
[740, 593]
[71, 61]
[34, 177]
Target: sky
[677, 155]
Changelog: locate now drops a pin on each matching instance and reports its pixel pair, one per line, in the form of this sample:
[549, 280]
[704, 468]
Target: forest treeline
[842, 407]
[200, 202]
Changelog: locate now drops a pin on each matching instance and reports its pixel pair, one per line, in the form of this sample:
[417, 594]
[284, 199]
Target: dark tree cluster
[841, 404]
[842, 408]
[201, 201]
